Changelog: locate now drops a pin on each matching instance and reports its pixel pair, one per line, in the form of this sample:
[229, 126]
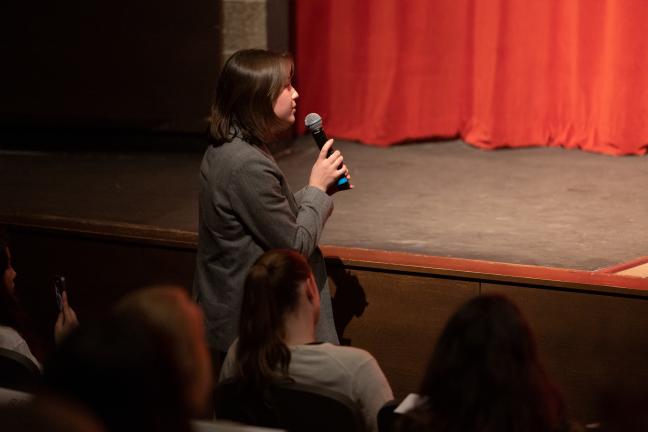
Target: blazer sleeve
[299, 195]
[258, 199]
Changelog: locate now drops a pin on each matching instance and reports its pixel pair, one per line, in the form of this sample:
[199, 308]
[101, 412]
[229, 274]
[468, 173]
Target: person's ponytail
[271, 291]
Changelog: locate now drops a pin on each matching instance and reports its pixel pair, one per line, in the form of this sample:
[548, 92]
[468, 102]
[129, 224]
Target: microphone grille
[313, 121]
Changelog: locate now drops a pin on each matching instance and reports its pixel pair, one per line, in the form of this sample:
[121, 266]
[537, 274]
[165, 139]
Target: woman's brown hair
[485, 375]
[248, 86]
[271, 292]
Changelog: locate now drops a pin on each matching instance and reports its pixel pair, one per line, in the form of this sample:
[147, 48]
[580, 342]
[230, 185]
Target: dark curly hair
[485, 375]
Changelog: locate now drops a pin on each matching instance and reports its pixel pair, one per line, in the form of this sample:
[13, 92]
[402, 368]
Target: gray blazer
[245, 209]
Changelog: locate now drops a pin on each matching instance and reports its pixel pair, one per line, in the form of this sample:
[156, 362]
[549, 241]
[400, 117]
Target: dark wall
[109, 63]
[279, 22]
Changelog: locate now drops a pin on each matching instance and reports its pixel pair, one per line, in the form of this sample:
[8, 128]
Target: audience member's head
[125, 368]
[171, 310]
[278, 288]
[248, 87]
[485, 375]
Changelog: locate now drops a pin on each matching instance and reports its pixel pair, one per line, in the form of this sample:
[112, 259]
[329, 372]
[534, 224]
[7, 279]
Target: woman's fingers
[327, 170]
[69, 316]
[325, 148]
[337, 163]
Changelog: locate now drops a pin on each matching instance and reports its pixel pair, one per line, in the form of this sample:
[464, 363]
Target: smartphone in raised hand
[60, 285]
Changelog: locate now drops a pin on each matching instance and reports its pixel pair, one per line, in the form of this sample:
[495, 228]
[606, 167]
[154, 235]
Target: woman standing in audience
[485, 375]
[245, 204]
[280, 309]
[15, 334]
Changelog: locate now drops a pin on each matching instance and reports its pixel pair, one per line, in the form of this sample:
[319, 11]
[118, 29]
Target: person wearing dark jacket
[245, 204]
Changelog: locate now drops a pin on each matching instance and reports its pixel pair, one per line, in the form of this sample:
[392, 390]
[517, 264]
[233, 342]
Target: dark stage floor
[539, 206]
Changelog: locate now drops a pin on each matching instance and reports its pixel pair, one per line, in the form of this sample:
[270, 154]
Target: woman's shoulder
[237, 147]
[9, 337]
[343, 354]
[11, 340]
[235, 155]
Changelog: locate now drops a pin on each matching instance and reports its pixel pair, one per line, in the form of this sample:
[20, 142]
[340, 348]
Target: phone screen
[59, 287]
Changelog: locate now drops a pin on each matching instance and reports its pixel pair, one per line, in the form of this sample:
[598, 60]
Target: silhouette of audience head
[131, 369]
[485, 375]
[181, 319]
[279, 284]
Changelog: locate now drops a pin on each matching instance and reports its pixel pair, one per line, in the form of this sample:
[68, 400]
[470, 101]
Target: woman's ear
[311, 289]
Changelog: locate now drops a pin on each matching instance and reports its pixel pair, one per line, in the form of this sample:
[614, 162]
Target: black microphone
[313, 122]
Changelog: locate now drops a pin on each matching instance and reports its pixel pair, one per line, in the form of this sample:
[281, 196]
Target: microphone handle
[320, 139]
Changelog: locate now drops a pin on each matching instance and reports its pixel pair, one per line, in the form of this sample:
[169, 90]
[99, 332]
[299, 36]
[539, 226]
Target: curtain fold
[497, 73]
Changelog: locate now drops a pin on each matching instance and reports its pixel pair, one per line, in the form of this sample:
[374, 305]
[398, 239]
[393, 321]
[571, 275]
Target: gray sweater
[245, 209]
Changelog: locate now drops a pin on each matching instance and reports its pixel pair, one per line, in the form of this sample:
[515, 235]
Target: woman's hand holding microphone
[328, 170]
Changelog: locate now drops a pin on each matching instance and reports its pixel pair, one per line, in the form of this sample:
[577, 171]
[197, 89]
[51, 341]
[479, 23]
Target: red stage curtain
[498, 73]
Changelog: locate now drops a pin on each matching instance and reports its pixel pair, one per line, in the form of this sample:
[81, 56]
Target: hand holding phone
[60, 286]
[67, 319]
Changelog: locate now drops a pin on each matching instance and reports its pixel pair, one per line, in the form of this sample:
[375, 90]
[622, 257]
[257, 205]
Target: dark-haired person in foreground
[144, 368]
[245, 205]
[123, 372]
[280, 309]
[170, 309]
[485, 375]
